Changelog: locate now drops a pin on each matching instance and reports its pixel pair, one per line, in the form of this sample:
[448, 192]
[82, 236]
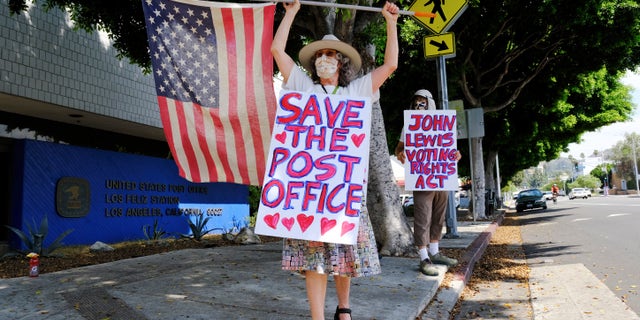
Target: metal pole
[355, 7]
[499, 193]
[635, 165]
[443, 95]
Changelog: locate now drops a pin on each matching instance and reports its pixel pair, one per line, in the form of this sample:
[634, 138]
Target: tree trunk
[478, 179]
[390, 226]
[490, 175]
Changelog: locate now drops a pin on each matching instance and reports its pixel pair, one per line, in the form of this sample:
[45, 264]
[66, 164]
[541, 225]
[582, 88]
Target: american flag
[213, 73]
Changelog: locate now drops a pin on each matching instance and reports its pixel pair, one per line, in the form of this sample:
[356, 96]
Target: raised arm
[382, 73]
[283, 60]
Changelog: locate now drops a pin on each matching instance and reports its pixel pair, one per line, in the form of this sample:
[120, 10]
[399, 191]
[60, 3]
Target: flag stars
[184, 52]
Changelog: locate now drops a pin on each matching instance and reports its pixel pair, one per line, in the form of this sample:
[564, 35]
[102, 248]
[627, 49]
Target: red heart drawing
[346, 227]
[281, 137]
[326, 225]
[272, 220]
[287, 223]
[357, 139]
[304, 221]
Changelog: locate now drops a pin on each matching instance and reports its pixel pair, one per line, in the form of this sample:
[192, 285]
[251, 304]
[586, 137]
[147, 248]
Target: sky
[606, 137]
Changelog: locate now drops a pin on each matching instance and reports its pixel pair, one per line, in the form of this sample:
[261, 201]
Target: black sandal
[339, 311]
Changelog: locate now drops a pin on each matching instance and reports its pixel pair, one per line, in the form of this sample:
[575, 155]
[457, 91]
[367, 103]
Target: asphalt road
[603, 233]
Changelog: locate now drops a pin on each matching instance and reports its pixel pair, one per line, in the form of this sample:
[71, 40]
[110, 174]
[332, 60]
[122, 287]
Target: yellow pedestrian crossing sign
[440, 45]
[446, 13]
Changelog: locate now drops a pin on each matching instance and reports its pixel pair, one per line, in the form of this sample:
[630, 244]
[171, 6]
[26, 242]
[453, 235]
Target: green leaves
[153, 233]
[198, 229]
[34, 240]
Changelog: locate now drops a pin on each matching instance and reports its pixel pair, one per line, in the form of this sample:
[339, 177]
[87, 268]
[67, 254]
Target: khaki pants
[429, 210]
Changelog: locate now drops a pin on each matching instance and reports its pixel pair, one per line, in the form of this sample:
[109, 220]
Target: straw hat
[329, 42]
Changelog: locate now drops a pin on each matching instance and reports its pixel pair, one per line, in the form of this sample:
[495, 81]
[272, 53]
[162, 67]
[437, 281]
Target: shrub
[198, 228]
[35, 239]
[155, 233]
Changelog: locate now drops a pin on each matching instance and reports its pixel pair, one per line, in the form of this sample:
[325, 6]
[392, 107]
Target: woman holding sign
[429, 206]
[333, 65]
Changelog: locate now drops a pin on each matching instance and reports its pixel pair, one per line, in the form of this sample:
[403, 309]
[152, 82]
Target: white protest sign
[430, 148]
[316, 170]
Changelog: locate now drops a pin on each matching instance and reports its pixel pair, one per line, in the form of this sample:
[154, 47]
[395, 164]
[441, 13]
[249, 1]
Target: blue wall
[125, 192]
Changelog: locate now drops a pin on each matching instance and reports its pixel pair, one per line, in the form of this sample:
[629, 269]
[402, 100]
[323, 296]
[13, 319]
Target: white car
[547, 195]
[583, 193]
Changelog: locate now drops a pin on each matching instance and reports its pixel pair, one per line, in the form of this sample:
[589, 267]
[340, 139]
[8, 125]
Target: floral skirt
[335, 259]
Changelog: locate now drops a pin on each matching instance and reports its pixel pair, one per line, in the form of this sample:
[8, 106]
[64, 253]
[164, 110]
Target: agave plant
[198, 229]
[153, 233]
[35, 239]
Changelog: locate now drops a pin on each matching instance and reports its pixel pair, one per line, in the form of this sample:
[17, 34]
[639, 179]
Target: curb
[445, 299]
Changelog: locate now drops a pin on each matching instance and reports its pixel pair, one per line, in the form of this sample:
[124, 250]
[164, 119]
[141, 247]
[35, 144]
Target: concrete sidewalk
[246, 282]
[241, 282]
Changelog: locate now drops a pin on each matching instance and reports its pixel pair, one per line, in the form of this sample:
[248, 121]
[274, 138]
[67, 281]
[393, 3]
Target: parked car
[583, 193]
[530, 199]
[548, 195]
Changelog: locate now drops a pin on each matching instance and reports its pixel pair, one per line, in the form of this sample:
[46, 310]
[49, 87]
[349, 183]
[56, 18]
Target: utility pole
[635, 165]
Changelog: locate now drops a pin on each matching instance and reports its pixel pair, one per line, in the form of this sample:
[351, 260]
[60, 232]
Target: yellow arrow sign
[440, 45]
[446, 13]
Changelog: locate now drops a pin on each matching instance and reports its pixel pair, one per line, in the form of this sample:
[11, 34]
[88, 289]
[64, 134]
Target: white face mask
[326, 67]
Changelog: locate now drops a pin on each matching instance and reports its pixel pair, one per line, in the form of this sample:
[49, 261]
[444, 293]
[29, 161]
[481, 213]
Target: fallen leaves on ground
[503, 260]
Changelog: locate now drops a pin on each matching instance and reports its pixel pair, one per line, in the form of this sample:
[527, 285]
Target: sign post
[441, 46]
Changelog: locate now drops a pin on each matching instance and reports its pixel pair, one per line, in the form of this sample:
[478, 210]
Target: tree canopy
[543, 72]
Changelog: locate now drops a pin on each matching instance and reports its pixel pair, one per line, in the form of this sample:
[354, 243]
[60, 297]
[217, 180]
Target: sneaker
[440, 258]
[427, 268]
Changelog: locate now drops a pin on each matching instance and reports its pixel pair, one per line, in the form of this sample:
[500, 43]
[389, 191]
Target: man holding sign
[428, 146]
[318, 122]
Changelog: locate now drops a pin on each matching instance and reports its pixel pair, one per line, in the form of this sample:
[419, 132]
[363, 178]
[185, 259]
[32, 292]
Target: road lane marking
[581, 219]
[618, 215]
